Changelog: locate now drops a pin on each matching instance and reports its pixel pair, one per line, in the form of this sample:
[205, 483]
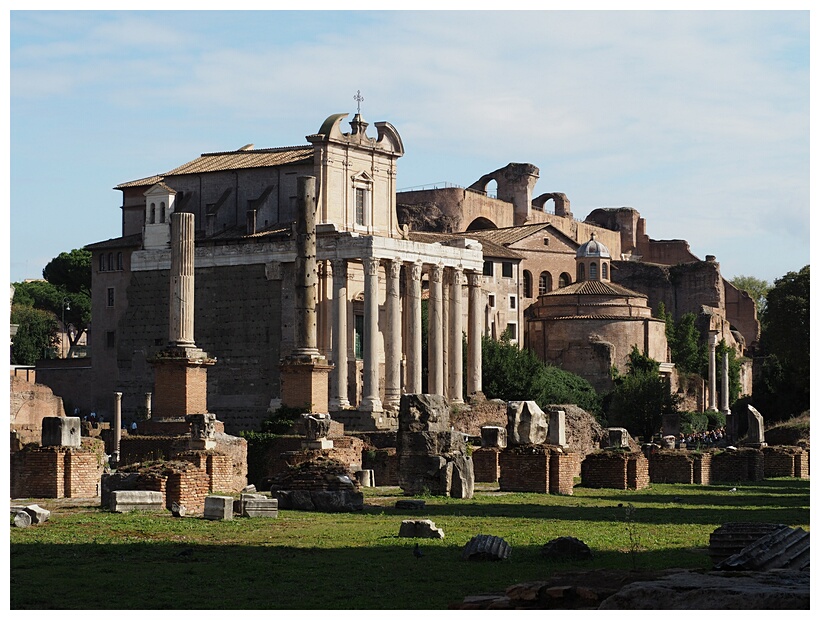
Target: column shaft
[456, 391]
[474, 316]
[392, 364]
[725, 383]
[370, 389]
[435, 341]
[338, 390]
[413, 382]
[181, 323]
[712, 373]
[306, 279]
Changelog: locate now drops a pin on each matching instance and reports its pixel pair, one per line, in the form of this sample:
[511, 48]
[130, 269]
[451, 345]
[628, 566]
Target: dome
[592, 249]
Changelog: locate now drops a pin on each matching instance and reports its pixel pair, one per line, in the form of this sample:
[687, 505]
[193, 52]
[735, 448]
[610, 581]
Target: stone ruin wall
[745, 464]
[485, 464]
[610, 470]
[57, 472]
[29, 404]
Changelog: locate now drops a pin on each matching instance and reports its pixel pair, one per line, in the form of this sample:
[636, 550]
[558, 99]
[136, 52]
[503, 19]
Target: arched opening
[152, 215]
[604, 271]
[102, 262]
[580, 275]
[162, 213]
[527, 284]
[564, 280]
[110, 261]
[119, 261]
[481, 223]
[593, 271]
[544, 283]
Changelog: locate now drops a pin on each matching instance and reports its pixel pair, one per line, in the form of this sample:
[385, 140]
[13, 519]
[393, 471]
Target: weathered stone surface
[493, 437]
[420, 528]
[366, 477]
[260, 507]
[410, 504]
[38, 515]
[251, 488]
[755, 434]
[178, 510]
[731, 538]
[486, 547]
[425, 442]
[22, 519]
[219, 508]
[776, 589]
[117, 481]
[125, 501]
[424, 413]
[669, 442]
[782, 548]
[318, 500]
[316, 425]
[462, 478]
[566, 548]
[617, 437]
[557, 431]
[61, 431]
[526, 423]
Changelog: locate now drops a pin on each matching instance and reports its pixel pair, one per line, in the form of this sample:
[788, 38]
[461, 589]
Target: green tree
[782, 389]
[510, 373]
[757, 289]
[36, 336]
[641, 397]
[66, 292]
[688, 351]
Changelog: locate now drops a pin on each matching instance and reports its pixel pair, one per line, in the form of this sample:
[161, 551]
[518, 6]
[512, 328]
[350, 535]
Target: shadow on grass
[388, 576]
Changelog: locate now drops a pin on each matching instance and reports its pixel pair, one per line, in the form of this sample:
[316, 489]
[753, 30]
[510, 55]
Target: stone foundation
[671, 467]
[745, 464]
[57, 472]
[524, 472]
[608, 469]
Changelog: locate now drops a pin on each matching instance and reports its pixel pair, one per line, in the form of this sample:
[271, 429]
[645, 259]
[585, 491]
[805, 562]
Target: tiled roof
[233, 160]
[128, 241]
[489, 248]
[240, 232]
[596, 287]
[507, 236]
[603, 317]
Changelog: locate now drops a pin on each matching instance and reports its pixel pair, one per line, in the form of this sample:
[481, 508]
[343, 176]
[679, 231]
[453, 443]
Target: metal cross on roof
[358, 99]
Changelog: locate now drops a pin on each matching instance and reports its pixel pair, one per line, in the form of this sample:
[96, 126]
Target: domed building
[590, 326]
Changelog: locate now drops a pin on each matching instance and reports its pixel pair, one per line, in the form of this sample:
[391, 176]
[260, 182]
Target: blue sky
[699, 120]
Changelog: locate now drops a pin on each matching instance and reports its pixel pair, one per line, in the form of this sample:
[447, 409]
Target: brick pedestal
[180, 387]
[304, 384]
[527, 473]
[615, 470]
[485, 464]
[562, 472]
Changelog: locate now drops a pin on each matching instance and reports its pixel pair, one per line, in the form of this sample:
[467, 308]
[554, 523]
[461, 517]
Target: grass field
[88, 558]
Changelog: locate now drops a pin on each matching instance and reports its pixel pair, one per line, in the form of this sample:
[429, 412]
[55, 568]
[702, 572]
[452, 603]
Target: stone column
[338, 395]
[456, 334]
[725, 384]
[370, 389]
[148, 405]
[713, 338]
[435, 344]
[392, 364]
[474, 312]
[306, 280]
[445, 333]
[181, 319]
[414, 334]
[117, 425]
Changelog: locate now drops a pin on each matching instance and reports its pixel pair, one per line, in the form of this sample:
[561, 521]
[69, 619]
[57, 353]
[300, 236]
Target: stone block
[318, 444]
[37, 514]
[420, 528]
[526, 423]
[557, 430]
[22, 519]
[669, 442]
[462, 478]
[125, 501]
[493, 437]
[617, 437]
[60, 431]
[219, 508]
[755, 434]
[365, 477]
[486, 547]
[424, 412]
[260, 507]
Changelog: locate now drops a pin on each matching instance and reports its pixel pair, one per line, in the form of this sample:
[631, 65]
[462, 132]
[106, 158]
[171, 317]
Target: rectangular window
[358, 336]
[512, 299]
[110, 297]
[506, 270]
[491, 300]
[361, 201]
[110, 339]
[488, 268]
[512, 331]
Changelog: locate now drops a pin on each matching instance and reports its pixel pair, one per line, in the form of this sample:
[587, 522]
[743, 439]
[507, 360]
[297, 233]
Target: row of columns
[371, 400]
[713, 341]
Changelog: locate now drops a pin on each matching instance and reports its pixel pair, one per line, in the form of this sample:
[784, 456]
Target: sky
[697, 119]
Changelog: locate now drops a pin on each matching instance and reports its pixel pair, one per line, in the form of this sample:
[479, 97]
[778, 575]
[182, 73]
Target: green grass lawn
[88, 558]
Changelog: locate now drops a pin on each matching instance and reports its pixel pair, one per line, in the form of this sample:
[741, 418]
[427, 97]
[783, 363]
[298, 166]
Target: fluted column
[474, 333]
[117, 425]
[338, 390]
[181, 320]
[370, 389]
[306, 280]
[392, 363]
[435, 341]
[414, 335]
[712, 372]
[148, 405]
[725, 383]
[456, 391]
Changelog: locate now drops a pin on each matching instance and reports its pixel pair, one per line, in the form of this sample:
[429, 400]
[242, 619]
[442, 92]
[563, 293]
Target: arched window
[604, 271]
[102, 262]
[110, 261]
[593, 271]
[152, 214]
[162, 213]
[527, 284]
[119, 261]
[564, 280]
[581, 275]
[544, 283]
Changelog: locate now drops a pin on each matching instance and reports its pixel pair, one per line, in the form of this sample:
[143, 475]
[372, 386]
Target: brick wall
[746, 464]
[56, 472]
[615, 470]
[702, 468]
[180, 388]
[188, 488]
[220, 473]
[637, 472]
[562, 469]
[801, 465]
[778, 463]
[385, 466]
[671, 467]
[527, 473]
[485, 464]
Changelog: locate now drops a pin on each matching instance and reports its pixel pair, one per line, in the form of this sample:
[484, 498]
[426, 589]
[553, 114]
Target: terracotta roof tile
[596, 287]
[489, 248]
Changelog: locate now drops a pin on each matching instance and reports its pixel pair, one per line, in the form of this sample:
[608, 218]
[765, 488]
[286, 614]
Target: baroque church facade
[485, 265]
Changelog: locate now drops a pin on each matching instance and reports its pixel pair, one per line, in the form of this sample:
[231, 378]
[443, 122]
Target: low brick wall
[702, 468]
[385, 466]
[57, 472]
[485, 464]
[801, 465]
[745, 464]
[778, 462]
[524, 471]
[609, 469]
[562, 470]
[671, 467]
[189, 488]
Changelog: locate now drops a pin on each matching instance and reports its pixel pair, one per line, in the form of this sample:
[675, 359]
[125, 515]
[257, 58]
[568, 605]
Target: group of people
[704, 438]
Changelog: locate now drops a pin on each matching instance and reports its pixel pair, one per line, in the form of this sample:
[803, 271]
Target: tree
[757, 289]
[65, 293]
[782, 389]
[687, 349]
[36, 336]
[641, 397]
